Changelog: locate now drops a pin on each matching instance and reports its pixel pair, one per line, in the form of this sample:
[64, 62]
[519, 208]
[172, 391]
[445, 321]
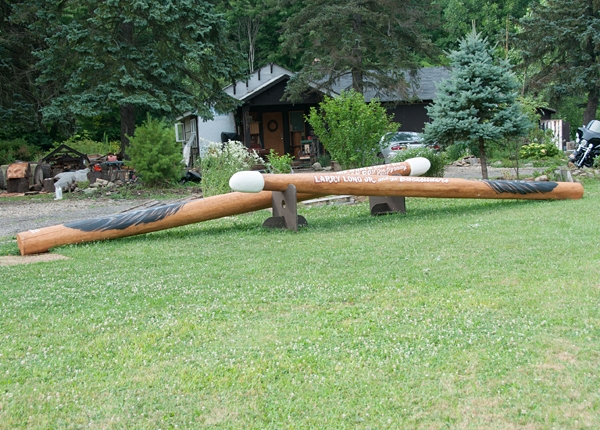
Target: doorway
[273, 131]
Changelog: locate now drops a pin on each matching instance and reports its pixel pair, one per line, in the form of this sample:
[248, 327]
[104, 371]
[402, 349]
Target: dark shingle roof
[423, 87]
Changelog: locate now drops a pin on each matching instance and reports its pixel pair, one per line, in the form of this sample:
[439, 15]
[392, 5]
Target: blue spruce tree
[477, 104]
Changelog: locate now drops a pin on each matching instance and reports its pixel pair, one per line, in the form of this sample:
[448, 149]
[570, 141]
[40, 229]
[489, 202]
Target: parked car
[393, 142]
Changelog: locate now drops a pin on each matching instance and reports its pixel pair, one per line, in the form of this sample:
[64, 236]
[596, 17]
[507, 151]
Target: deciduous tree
[350, 129]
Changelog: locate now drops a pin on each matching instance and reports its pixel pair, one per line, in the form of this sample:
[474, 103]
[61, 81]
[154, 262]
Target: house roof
[259, 81]
[422, 88]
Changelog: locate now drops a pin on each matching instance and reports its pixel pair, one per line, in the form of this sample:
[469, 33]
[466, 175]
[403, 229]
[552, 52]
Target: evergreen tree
[164, 57]
[375, 41]
[20, 98]
[562, 39]
[155, 155]
[478, 102]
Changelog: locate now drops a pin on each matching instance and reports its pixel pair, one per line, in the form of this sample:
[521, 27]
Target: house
[265, 121]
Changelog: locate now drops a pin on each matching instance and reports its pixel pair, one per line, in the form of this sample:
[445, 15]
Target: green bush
[437, 159]
[154, 153]
[538, 151]
[220, 162]
[457, 151]
[324, 160]
[279, 163]
[350, 129]
[18, 150]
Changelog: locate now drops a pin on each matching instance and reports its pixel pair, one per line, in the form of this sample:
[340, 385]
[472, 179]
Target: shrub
[154, 153]
[457, 150]
[18, 150]
[437, 159]
[351, 129]
[324, 160]
[538, 151]
[279, 163]
[220, 162]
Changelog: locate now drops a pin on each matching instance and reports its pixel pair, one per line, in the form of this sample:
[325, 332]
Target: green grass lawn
[461, 314]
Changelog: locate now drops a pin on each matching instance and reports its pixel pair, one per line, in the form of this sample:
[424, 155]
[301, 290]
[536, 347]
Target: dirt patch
[13, 260]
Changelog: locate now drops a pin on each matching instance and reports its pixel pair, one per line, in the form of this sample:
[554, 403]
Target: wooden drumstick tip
[418, 165]
[247, 182]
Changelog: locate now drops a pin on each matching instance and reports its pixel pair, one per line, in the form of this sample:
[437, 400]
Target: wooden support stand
[285, 210]
[387, 205]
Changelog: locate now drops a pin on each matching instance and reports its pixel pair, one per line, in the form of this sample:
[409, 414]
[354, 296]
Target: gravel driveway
[30, 213]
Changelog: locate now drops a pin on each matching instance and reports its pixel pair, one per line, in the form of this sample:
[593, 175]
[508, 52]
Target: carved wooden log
[169, 216]
[140, 221]
[370, 185]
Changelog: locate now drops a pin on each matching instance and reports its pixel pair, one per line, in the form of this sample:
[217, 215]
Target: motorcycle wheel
[588, 162]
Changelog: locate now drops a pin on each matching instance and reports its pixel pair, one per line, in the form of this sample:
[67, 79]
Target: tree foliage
[165, 57]
[375, 42]
[478, 102]
[350, 129]
[155, 155]
[20, 97]
[493, 19]
[561, 39]
[255, 29]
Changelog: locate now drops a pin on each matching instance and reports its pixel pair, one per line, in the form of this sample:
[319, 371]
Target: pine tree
[561, 38]
[163, 57]
[375, 41]
[155, 155]
[20, 98]
[477, 103]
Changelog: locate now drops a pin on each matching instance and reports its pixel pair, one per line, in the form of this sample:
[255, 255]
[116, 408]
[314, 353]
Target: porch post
[246, 124]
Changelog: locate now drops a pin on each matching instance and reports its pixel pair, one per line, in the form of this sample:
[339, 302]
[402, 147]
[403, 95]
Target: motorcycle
[588, 145]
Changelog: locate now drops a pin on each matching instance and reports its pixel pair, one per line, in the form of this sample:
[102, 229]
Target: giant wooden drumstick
[371, 185]
[176, 214]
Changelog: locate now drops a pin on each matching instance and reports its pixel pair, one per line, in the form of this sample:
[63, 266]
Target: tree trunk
[357, 74]
[483, 158]
[127, 109]
[591, 107]
[127, 127]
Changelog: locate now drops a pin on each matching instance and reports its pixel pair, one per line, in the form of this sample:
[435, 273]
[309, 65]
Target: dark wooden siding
[411, 117]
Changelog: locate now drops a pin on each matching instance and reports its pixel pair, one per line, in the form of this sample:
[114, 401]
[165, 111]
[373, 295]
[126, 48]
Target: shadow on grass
[328, 219]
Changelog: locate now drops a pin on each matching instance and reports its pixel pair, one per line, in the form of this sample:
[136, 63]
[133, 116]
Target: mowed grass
[461, 314]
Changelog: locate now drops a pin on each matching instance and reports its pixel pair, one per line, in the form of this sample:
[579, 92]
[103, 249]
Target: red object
[97, 168]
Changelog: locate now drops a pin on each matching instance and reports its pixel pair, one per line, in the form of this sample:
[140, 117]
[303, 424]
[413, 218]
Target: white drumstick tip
[418, 165]
[247, 182]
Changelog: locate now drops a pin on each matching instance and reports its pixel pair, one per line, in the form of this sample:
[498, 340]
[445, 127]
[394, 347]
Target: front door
[273, 131]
